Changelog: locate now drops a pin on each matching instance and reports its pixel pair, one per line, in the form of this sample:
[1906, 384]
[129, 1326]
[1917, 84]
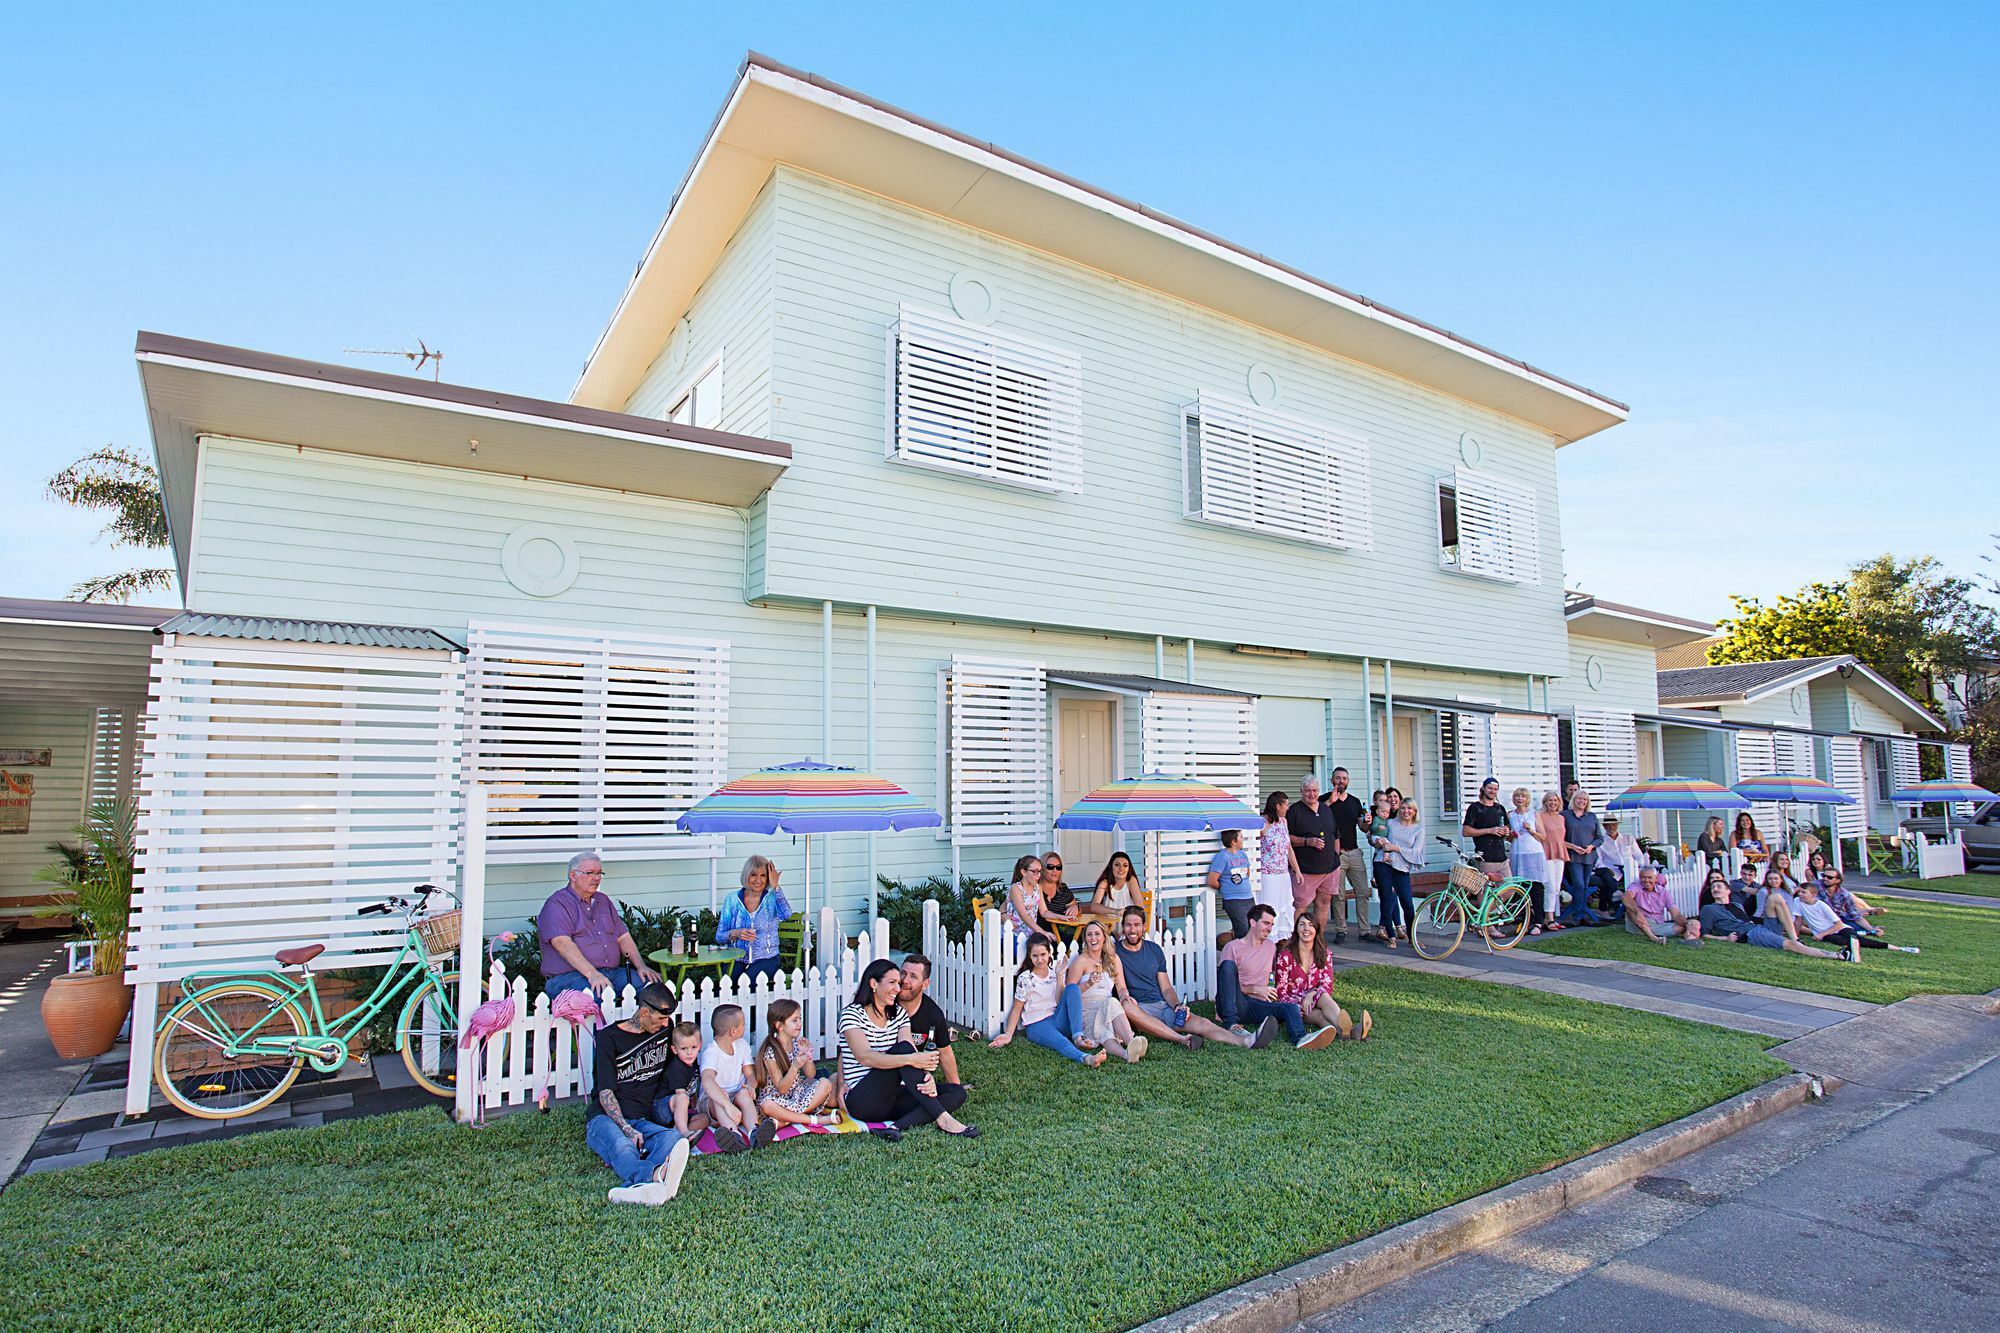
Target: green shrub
[901, 904]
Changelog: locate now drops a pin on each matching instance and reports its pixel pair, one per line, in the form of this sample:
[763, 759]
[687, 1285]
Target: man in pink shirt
[1243, 991]
[1650, 910]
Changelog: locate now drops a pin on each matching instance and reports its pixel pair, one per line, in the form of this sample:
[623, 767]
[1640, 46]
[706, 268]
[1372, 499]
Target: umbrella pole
[806, 927]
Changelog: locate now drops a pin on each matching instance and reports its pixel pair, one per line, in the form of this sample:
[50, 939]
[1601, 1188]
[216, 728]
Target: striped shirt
[875, 1036]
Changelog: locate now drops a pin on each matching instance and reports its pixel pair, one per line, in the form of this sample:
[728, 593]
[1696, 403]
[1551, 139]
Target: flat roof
[105, 615]
[775, 114]
[1630, 624]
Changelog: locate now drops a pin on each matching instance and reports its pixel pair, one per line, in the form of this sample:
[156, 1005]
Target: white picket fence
[972, 979]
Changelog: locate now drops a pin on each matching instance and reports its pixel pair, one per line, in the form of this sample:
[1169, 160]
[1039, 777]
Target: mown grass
[1094, 1200]
[1979, 886]
[1961, 955]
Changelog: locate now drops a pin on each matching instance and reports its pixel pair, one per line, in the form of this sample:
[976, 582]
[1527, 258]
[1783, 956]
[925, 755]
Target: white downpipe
[1388, 724]
[825, 752]
[712, 902]
[871, 757]
[472, 937]
[1190, 661]
[1367, 724]
[1159, 657]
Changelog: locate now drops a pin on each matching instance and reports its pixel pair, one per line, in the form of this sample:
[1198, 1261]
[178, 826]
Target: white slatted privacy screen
[1607, 753]
[113, 756]
[1465, 750]
[1525, 755]
[1845, 772]
[595, 741]
[1499, 532]
[1958, 768]
[1209, 737]
[1905, 770]
[985, 403]
[1250, 467]
[1756, 756]
[996, 752]
[284, 786]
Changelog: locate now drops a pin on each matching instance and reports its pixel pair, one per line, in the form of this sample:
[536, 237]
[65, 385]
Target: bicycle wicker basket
[441, 933]
[1468, 879]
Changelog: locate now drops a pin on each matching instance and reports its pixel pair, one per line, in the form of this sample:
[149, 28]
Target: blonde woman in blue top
[751, 916]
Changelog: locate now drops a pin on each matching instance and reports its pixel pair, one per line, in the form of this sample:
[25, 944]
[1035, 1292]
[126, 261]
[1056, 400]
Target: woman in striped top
[887, 1078]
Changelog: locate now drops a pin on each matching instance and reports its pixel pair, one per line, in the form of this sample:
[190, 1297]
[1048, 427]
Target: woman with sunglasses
[1059, 904]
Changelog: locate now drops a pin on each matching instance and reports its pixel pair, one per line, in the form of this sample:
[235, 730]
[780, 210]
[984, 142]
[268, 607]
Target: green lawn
[1961, 955]
[1181, 1176]
[1981, 886]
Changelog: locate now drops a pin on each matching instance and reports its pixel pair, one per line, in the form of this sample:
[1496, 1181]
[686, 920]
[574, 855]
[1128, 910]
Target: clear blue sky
[1769, 228]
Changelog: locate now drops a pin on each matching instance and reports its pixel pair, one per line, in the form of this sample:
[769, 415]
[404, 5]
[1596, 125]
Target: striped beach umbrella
[1676, 794]
[1785, 788]
[1945, 790]
[1159, 803]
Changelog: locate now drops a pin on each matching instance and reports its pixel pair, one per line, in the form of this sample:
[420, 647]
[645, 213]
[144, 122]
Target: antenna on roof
[417, 358]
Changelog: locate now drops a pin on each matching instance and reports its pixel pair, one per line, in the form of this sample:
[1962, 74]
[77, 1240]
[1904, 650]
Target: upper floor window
[1250, 467]
[1488, 527]
[984, 403]
[700, 403]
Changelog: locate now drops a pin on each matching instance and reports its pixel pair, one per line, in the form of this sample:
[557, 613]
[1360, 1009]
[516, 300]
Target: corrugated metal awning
[1122, 684]
[1436, 705]
[276, 630]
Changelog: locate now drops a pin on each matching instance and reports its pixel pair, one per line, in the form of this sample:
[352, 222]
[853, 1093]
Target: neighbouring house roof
[194, 389]
[778, 115]
[1744, 682]
[1693, 653]
[1123, 684]
[204, 625]
[1601, 619]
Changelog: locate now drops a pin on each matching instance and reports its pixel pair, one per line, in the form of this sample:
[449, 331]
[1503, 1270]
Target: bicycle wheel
[192, 1064]
[1439, 926]
[427, 1032]
[1506, 917]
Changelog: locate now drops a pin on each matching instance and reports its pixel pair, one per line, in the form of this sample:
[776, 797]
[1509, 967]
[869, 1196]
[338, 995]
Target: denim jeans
[619, 977]
[1239, 914]
[1399, 908]
[1232, 1006]
[1576, 878]
[763, 967]
[634, 1166]
[1058, 1030]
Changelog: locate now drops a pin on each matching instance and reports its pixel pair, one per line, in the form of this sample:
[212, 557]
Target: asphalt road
[1875, 1209]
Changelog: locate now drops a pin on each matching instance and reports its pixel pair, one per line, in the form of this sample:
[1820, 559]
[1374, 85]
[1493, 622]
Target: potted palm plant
[83, 1011]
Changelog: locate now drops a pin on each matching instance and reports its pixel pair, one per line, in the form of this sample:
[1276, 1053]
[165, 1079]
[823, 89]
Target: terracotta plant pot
[84, 1012]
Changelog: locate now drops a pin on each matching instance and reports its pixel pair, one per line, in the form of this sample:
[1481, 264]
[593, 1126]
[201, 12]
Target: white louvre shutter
[1904, 768]
[1756, 756]
[284, 786]
[1499, 530]
[1607, 752]
[984, 403]
[1211, 738]
[595, 741]
[1250, 467]
[1958, 768]
[113, 756]
[1524, 755]
[1845, 772]
[1464, 756]
[998, 761]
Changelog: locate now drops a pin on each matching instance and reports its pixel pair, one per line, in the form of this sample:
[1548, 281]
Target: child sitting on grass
[684, 1082]
[725, 1085]
[789, 1089]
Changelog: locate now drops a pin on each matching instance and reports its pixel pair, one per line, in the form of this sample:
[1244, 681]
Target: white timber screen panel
[1499, 531]
[1958, 768]
[284, 786]
[113, 756]
[1525, 754]
[595, 740]
[1757, 755]
[1845, 772]
[996, 756]
[1211, 738]
[1465, 748]
[1250, 467]
[984, 403]
[1904, 768]
[1607, 752]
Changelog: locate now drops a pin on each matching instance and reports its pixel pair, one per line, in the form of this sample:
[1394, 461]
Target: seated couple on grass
[890, 1055]
[1264, 982]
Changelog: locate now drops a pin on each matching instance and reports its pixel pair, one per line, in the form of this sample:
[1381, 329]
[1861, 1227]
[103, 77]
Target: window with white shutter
[1607, 753]
[1250, 467]
[1906, 769]
[1756, 756]
[595, 741]
[1208, 737]
[984, 403]
[993, 757]
[1488, 527]
[1464, 750]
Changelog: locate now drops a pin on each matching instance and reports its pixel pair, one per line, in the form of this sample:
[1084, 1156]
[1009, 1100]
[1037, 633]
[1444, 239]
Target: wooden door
[1087, 733]
[1652, 823]
[1403, 768]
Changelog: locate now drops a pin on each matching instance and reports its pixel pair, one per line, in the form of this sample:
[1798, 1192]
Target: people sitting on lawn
[1775, 903]
[683, 1085]
[1150, 1002]
[1818, 918]
[1244, 989]
[726, 1082]
[751, 916]
[1101, 984]
[890, 1083]
[789, 1088]
[1745, 839]
[1847, 905]
[930, 1030]
[1713, 844]
[1723, 918]
[1229, 880]
[1650, 910]
[1047, 1007]
[1304, 977]
[1022, 911]
[584, 937]
[1118, 887]
[624, 1127]
[1782, 863]
[1059, 904]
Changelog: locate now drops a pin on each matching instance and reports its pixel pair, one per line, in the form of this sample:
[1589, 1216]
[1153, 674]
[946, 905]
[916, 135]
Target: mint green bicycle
[1497, 908]
[235, 1044]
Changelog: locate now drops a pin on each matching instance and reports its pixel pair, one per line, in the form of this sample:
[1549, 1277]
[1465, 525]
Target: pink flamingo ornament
[488, 1020]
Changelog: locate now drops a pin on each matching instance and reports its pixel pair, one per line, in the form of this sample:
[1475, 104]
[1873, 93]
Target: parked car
[1981, 833]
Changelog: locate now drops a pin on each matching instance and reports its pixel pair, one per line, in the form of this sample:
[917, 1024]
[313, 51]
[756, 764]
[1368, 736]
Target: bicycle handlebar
[398, 903]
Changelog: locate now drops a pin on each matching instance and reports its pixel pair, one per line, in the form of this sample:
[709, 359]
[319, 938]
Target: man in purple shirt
[584, 938]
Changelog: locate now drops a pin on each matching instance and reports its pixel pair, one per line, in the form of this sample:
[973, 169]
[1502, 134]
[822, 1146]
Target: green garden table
[682, 968]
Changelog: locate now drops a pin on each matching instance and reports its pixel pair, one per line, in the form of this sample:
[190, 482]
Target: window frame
[1346, 456]
[689, 395]
[1452, 559]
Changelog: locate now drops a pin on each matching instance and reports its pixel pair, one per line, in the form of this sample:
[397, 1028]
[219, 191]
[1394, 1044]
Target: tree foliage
[125, 486]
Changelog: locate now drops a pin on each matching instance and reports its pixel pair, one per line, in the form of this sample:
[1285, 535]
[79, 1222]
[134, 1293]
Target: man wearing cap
[584, 940]
[1618, 859]
[1486, 824]
[625, 1128]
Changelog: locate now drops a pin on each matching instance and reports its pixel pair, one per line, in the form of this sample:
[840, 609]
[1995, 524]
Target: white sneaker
[1135, 1050]
[652, 1194]
[1318, 1040]
[668, 1177]
[1854, 951]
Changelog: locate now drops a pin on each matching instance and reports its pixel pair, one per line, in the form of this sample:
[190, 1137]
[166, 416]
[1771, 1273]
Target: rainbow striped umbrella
[1676, 794]
[1944, 790]
[1160, 803]
[1789, 787]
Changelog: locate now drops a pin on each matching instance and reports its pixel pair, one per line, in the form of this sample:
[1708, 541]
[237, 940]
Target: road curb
[1281, 1299]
